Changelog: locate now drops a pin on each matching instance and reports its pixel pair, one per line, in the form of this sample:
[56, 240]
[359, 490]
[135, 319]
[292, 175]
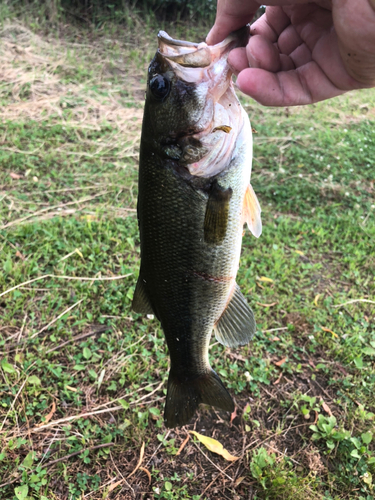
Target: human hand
[300, 53]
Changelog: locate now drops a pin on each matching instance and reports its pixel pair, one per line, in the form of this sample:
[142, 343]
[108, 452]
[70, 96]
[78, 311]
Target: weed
[274, 475]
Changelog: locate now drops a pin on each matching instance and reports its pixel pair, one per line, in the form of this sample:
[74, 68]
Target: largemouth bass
[194, 198]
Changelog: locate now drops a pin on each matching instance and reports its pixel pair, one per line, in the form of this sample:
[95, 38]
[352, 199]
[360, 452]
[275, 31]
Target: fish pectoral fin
[236, 325]
[141, 303]
[251, 212]
[184, 397]
[217, 211]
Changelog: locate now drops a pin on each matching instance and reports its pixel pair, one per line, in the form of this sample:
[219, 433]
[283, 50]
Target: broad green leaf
[108, 438]
[29, 459]
[356, 442]
[366, 437]
[370, 351]
[168, 486]
[8, 368]
[214, 446]
[21, 492]
[19, 357]
[124, 404]
[367, 478]
[34, 380]
[154, 411]
[358, 362]
[7, 266]
[320, 366]
[279, 480]
[87, 353]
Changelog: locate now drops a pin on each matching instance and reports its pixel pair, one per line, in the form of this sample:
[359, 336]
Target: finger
[261, 53]
[237, 60]
[312, 25]
[301, 55]
[289, 40]
[231, 15]
[224, 26]
[354, 24]
[271, 24]
[286, 63]
[304, 85]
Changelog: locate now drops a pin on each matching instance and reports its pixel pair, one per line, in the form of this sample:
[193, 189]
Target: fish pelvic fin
[251, 212]
[141, 303]
[236, 326]
[184, 397]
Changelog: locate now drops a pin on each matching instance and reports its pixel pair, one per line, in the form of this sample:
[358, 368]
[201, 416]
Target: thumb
[231, 15]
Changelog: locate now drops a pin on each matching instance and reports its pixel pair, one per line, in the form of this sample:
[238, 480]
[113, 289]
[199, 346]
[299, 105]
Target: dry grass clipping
[31, 70]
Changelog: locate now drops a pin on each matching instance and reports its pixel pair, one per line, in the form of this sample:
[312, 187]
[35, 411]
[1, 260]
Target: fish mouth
[199, 55]
[210, 141]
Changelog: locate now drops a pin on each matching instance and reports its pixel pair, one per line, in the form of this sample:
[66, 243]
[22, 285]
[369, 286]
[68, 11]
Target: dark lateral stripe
[208, 277]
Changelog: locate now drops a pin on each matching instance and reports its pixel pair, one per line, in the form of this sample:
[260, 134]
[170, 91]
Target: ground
[83, 378]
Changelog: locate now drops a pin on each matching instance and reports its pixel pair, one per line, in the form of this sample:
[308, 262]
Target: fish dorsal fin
[251, 212]
[236, 325]
[217, 211]
[141, 303]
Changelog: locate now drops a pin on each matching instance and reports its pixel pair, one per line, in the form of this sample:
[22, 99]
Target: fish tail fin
[184, 397]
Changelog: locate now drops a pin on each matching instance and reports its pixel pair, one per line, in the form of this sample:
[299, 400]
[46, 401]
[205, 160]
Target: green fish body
[194, 197]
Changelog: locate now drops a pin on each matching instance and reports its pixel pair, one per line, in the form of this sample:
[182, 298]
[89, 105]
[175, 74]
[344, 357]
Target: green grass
[71, 109]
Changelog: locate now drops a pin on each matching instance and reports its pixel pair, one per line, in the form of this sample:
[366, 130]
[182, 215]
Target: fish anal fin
[236, 325]
[184, 397]
[141, 303]
[251, 212]
[217, 211]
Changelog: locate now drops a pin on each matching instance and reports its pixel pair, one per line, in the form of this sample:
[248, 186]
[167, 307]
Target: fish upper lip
[163, 36]
[199, 55]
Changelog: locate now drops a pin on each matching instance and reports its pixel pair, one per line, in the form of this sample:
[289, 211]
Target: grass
[83, 379]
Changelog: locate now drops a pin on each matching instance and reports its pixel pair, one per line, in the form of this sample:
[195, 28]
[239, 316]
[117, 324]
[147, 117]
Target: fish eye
[159, 87]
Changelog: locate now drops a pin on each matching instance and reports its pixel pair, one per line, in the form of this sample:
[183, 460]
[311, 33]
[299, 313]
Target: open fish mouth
[199, 62]
[199, 55]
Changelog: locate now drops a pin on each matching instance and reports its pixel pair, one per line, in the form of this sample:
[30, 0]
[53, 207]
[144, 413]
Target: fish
[194, 197]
